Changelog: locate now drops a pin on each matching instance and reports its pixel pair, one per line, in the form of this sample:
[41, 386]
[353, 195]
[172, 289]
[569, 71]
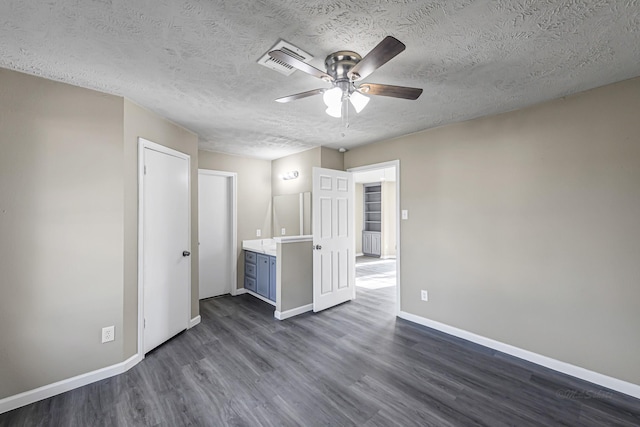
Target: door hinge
[145, 169]
[144, 323]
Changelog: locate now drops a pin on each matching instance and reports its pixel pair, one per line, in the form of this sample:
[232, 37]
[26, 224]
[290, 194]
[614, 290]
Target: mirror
[292, 213]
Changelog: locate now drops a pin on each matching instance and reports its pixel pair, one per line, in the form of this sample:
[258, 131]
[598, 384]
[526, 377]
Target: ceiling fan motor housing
[339, 63]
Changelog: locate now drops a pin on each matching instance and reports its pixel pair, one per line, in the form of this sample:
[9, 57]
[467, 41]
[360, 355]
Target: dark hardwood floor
[355, 364]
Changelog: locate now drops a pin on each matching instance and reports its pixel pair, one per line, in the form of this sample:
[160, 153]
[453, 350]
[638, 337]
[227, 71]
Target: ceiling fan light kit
[343, 69]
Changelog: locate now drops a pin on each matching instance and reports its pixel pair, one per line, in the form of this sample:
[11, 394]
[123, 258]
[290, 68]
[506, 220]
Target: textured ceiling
[194, 62]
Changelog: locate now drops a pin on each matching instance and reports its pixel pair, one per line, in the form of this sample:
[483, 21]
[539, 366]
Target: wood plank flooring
[355, 364]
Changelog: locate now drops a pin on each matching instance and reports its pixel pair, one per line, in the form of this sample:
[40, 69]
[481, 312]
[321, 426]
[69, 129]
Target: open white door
[333, 242]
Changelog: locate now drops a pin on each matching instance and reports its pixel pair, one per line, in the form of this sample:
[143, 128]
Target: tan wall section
[388, 219]
[331, 159]
[359, 213]
[294, 271]
[61, 224]
[524, 227]
[254, 196]
[302, 162]
[139, 122]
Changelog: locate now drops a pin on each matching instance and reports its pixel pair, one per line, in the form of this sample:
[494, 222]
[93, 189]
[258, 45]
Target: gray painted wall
[61, 222]
[524, 226]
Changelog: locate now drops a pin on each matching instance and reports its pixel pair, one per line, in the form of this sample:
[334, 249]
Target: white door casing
[216, 236]
[165, 243]
[333, 238]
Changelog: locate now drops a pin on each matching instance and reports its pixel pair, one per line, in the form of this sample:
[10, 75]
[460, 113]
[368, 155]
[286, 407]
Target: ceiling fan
[344, 68]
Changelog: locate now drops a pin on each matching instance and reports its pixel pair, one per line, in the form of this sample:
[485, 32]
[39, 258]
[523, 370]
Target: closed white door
[333, 239]
[166, 244]
[214, 234]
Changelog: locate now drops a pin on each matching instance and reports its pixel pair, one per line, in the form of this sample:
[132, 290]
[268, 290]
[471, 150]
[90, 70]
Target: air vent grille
[280, 66]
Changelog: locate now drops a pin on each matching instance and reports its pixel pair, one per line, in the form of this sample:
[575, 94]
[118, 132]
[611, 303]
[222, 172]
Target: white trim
[293, 239]
[239, 291]
[234, 222]
[257, 295]
[359, 254]
[384, 165]
[557, 365]
[142, 145]
[21, 399]
[195, 321]
[281, 315]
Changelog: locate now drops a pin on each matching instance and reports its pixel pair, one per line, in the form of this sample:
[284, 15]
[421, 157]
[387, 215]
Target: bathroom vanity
[279, 271]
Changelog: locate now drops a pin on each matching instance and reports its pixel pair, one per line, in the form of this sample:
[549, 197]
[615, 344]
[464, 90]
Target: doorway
[377, 220]
[216, 232]
[164, 283]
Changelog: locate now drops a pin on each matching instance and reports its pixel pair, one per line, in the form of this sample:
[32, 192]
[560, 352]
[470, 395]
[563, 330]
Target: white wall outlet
[405, 214]
[258, 232]
[108, 334]
[424, 296]
[283, 232]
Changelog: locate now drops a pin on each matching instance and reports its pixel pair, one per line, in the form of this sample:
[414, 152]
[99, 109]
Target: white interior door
[333, 239]
[166, 244]
[214, 234]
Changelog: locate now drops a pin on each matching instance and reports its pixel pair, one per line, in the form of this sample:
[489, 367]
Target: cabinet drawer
[250, 283]
[250, 257]
[250, 269]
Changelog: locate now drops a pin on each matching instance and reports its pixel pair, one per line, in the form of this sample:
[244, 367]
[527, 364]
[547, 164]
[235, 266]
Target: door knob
[186, 253]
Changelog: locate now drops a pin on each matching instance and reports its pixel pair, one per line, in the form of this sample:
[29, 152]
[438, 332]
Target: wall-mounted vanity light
[289, 175]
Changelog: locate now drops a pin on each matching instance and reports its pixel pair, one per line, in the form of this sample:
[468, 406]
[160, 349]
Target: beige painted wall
[139, 122]
[524, 226]
[61, 222]
[359, 213]
[303, 162]
[388, 244]
[331, 159]
[254, 196]
[294, 275]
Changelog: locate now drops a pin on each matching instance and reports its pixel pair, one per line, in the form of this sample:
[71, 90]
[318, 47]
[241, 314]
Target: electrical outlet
[405, 214]
[283, 231]
[108, 334]
[258, 232]
[424, 296]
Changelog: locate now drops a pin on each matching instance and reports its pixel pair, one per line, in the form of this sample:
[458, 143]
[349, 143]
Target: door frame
[384, 165]
[234, 223]
[142, 145]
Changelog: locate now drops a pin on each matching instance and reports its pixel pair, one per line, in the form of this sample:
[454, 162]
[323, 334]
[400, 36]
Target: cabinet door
[272, 278]
[376, 243]
[366, 243]
[263, 275]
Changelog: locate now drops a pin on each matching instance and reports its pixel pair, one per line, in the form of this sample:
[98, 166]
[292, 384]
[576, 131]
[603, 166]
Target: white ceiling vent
[279, 66]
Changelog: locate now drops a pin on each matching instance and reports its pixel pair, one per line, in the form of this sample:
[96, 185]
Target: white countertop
[261, 246]
[269, 246]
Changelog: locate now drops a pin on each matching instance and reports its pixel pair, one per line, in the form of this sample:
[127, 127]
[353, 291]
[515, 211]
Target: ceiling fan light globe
[335, 111]
[359, 101]
[332, 97]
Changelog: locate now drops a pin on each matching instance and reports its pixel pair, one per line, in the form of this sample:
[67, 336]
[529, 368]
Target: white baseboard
[193, 322]
[281, 315]
[239, 292]
[260, 297]
[359, 254]
[49, 390]
[557, 365]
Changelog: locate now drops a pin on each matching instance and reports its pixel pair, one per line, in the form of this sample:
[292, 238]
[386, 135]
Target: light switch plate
[405, 214]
